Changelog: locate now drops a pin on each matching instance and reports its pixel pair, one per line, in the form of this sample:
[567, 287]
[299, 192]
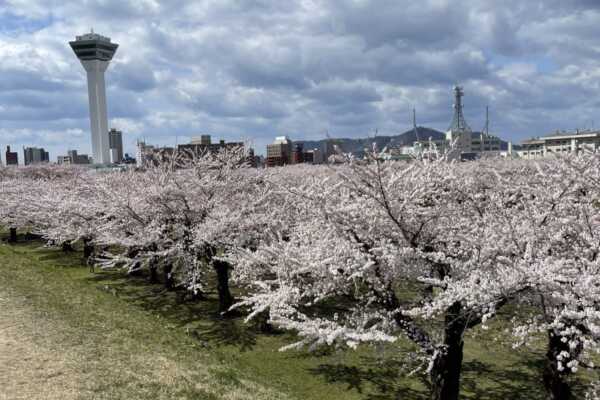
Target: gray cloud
[255, 69]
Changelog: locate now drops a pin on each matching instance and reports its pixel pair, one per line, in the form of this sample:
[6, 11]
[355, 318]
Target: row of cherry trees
[361, 252]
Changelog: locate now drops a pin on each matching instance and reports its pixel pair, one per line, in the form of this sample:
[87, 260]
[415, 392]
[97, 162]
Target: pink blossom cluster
[360, 252]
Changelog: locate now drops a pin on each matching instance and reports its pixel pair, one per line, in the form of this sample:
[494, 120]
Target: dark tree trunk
[225, 297]
[136, 268]
[169, 281]
[88, 248]
[66, 247]
[445, 374]
[153, 268]
[555, 381]
[262, 323]
[197, 296]
[12, 235]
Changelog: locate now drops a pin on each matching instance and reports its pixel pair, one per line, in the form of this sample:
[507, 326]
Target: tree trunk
[88, 248]
[196, 296]
[13, 235]
[135, 270]
[153, 271]
[225, 297]
[555, 383]
[169, 281]
[262, 323]
[445, 373]
[66, 247]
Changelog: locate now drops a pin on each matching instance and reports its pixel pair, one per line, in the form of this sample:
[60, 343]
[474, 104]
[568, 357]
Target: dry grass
[59, 340]
[32, 365]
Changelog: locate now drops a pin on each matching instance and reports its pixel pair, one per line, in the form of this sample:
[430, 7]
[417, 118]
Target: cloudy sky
[259, 68]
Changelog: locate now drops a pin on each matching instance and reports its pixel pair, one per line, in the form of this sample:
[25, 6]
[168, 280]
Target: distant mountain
[357, 146]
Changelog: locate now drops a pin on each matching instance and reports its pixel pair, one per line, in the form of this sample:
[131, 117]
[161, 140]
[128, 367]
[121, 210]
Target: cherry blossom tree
[457, 234]
[363, 251]
[164, 213]
[560, 239]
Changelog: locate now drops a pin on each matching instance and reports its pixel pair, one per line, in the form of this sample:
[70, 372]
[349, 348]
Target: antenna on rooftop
[415, 124]
[487, 120]
[459, 124]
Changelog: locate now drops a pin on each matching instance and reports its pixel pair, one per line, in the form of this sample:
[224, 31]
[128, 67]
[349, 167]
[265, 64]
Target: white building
[142, 153]
[560, 143]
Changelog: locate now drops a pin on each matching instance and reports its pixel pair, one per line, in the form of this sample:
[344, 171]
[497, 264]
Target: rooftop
[571, 135]
[93, 36]
[282, 140]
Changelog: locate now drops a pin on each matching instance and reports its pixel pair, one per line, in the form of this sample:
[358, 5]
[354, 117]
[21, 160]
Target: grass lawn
[104, 335]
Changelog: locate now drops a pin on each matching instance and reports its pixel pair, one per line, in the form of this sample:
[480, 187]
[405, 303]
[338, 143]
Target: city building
[34, 155]
[143, 154]
[127, 159]
[72, 158]
[63, 160]
[279, 152]
[314, 156]
[251, 159]
[199, 146]
[328, 148]
[202, 139]
[297, 154]
[560, 143]
[115, 144]
[95, 52]
[12, 157]
[146, 154]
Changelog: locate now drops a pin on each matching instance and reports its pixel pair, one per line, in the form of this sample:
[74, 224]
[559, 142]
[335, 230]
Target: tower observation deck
[95, 52]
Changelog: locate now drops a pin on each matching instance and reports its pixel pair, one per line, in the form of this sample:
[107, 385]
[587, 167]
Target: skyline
[259, 70]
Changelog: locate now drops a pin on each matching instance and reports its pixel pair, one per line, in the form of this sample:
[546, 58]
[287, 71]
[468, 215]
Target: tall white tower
[95, 52]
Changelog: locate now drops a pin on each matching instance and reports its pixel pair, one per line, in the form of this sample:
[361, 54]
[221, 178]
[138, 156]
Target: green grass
[120, 322]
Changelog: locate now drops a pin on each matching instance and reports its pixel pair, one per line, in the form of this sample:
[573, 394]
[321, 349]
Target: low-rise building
[73, 158]
[314, 156]
[199, 147]
[560, 143]
[150, 155]
[202, 139]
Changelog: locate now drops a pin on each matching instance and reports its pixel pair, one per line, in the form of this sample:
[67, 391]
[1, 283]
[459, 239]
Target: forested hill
[357, 146]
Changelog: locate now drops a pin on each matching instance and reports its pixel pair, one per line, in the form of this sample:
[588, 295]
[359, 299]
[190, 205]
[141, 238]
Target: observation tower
[95, 52]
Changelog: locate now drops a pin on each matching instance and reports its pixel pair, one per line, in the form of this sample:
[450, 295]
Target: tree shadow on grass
[375, 378]
[200, 318]
[378, 379]
[60, 258]
[520, 380]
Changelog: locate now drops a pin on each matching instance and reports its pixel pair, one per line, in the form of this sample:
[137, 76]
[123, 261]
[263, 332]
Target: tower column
[98, 117]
